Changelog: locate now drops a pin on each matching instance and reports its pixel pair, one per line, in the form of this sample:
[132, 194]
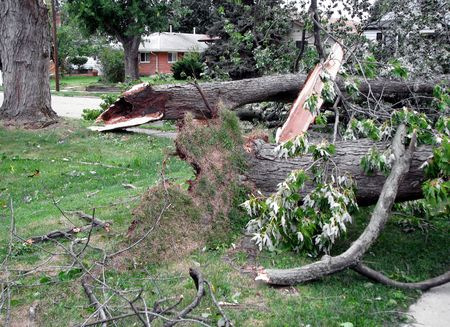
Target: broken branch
[329, 265]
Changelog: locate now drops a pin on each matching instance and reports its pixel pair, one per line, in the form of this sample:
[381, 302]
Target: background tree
[416, 33]
[71, 41]
[124, 21]
[25, 54]
[253, 38]
[195, 14]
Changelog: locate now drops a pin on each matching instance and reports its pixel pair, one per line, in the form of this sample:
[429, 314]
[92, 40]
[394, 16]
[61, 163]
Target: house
[297, 26]
[159, 51]
[378, 30]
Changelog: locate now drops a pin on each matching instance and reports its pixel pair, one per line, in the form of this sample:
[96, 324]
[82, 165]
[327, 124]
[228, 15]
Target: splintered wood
[300, 117]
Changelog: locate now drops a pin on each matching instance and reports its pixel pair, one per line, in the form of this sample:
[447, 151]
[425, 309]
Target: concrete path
[71, 107]
[432, 309]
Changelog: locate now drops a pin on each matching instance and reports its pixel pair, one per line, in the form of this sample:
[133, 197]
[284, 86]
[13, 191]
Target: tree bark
[25, 53]
[131, 49]
[174, 100]
[265, 170]
[353, 255]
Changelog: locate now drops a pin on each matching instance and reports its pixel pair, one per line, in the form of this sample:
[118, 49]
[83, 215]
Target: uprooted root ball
[208, 212]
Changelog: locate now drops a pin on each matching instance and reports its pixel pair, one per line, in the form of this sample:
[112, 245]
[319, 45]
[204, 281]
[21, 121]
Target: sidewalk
[432, 309]
[71, 107]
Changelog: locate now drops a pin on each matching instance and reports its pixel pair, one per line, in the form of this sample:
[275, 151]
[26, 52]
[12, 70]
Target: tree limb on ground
[352, 256]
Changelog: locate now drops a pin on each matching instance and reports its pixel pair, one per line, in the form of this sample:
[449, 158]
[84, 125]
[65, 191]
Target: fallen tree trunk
[173, 101]
[266, 170]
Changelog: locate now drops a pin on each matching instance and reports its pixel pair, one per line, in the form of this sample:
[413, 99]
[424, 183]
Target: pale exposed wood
[300, 117]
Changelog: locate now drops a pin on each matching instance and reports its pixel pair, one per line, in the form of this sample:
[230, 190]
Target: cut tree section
[301, 116]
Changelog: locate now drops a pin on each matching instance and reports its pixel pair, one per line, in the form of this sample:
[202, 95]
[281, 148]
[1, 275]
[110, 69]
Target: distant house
[296, 32]
[159, 51]
[377, 30]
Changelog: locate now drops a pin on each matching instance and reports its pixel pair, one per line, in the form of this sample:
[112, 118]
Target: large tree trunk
[131, 49]
[265, 170]
[25, 53]
[174, 100]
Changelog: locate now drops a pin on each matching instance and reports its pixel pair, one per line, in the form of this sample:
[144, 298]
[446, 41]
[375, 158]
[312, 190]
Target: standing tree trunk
[25, 53]
[131, 48]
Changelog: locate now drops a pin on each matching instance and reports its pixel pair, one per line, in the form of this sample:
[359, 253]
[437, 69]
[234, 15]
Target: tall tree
[253, 38]
[124, 21]
[195, 14]
[25, 53]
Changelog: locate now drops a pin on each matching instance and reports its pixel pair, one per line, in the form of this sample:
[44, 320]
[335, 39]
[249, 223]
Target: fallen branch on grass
[69, 233]
[93, 301]
[380, 278]
[352, 256]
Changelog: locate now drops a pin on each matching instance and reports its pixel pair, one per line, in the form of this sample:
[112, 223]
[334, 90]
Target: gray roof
[173, 42]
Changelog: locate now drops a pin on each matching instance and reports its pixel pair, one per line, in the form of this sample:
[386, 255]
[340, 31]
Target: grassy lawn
[75, 82]
[81, 170]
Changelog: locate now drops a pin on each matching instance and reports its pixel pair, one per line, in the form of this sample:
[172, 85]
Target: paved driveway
[70, 106]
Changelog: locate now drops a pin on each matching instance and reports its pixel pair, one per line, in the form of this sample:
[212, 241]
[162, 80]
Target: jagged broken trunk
[173, 101]
[25, 55]
[266, 170]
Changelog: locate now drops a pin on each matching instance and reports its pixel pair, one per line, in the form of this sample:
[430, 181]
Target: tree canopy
[253, 38]
[124, 21]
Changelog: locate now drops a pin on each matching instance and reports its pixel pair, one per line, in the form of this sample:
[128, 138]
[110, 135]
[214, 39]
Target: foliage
[72, 43]
[112, 61]
[415, 33]
[375, 161]
[312, 222]
[437, 170]
[119, 19]
[92, 114]
[253, 39]
[78, 61]
[441, 95]
[192, 14]
[189, 66]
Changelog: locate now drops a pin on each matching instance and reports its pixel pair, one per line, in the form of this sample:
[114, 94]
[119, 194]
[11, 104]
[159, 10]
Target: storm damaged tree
[305, 189]
[123, 21]
[25, 57]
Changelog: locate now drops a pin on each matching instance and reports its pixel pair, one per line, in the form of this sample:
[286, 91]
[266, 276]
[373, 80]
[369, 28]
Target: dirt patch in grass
[206, 213]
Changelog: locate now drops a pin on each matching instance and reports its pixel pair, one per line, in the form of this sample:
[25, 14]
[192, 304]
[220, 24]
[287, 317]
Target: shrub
[189, 66]
[92, 114]
[113, 65]
[78, 61]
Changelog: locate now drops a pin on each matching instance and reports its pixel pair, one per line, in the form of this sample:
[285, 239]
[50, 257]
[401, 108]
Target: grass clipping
[206, 213]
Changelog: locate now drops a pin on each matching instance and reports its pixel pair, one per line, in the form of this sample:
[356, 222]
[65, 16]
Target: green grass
[59, 153]
[75, 82]
[70, 168]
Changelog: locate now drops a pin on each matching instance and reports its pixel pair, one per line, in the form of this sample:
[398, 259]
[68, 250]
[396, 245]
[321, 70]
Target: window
[145, 57]
[298, 44]
[171, 57]
[379, 36]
